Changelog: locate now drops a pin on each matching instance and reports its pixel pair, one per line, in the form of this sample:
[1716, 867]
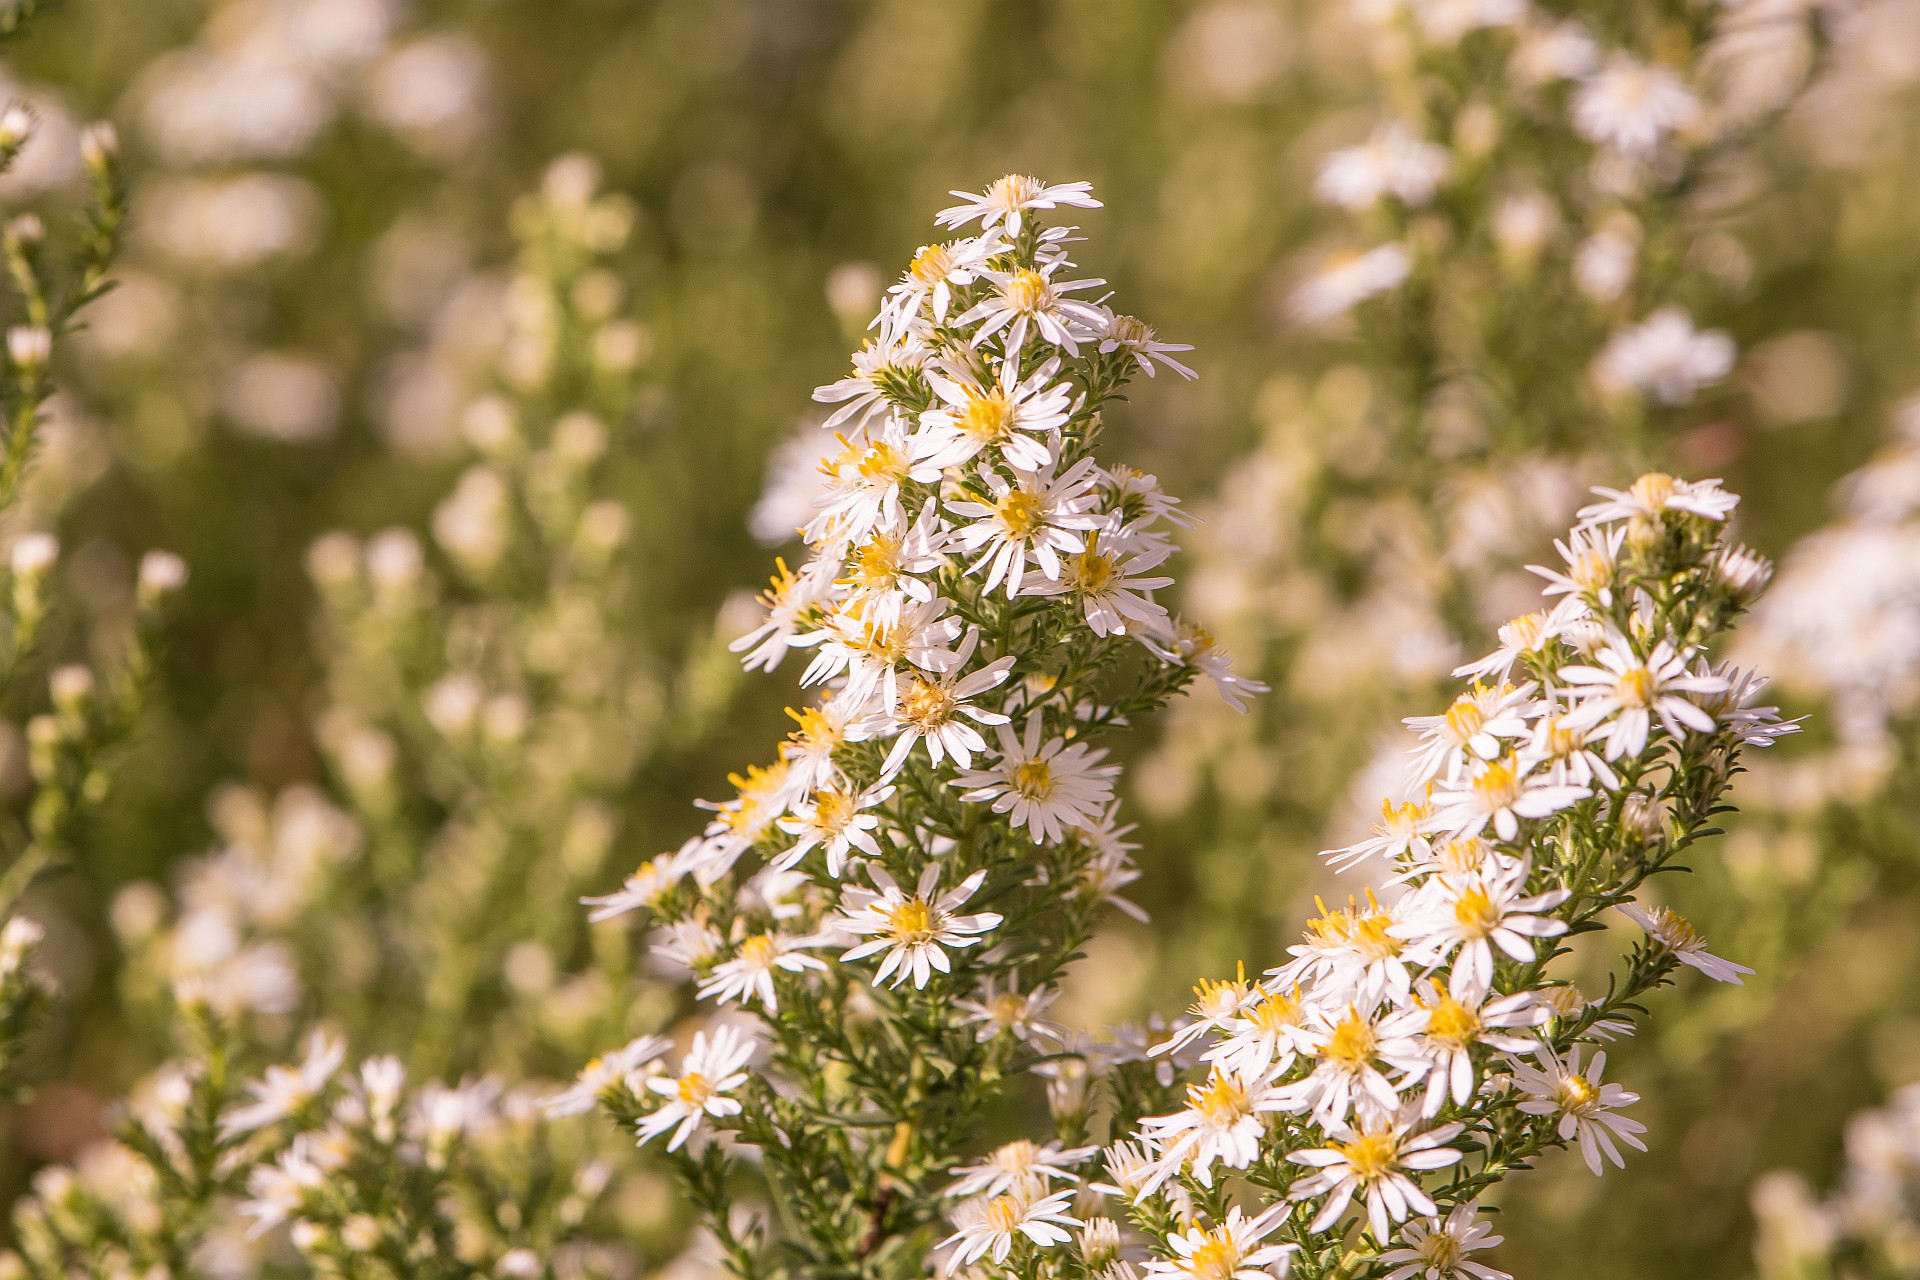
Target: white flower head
[1005, 414]
[747, 975]
[1664, 358]
[1348, 280]
[713, 1068]
[603, 1073]
[282, 1091]
[1627, 693]
[1231, 1250]
[1005, 202]
[912, 932]
[1676, 933]
[1393, 162]
[1631, 107]
[1036, 514]
[1437, 1249]
[1021, 1165]
[1375, 1160]
[988, 1228]
[1048, 787]
[1584, 1105]
[1472, 915]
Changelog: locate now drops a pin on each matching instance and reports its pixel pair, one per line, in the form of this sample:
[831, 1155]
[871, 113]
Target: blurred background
[321, 280]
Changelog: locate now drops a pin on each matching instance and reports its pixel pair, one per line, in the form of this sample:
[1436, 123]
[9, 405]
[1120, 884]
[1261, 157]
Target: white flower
[1469, 731]
[863, 393]
[1137, 339]
[912, 930]
[1627, 692]
[1221, 1122]
[607, 1070]
[1500, 793]
[1564, 748]
[1037, 514]
[1348, 280]
[1560, 51]
[1019, 1166]
[834, 817]
[1592, 558]
[1400, 833]
[1676, 933]
[279, 1190]
[809, 749]
[1112, 584]
[1350, 1047]
[1188, 644]
[1352, 951]
[1393, 162]
[973, 417]
[935, 270]
[1630, 107]
[1584, 1105]
[1454, 1026]
[791, 602]
[1437, 1250]
[748, 975]
[988, 1230]
[1003, 203]
[1011, 1012]
[929, 709]
[1526, 636]
[1664, 357]
[1265, 1036]
[1475, 913]
[1047, 788]
[1654, 494]
[1229, 1251]
[1024, 299]
[1374, 1162]
[863, 487]
[712, 1069]
[871, 649]
[655, 878]
[284, 1090]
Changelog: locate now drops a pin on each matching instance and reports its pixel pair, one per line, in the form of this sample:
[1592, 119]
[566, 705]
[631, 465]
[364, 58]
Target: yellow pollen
[1027, 290]
[1275, 1013]
[1003, 1214]
[1654, 490]
[780, 584]
[1372, 1155]
[1353, 1042]
[1216, 1259]
[1561, 741]
[1020, 513]
[1129, 332]
[1524, 631]
[832, 810]
[695, 1089]
[988, 417]
[1092, 570]
[881, 461]
[1576, 1095]
[1465, 718]
[1637, 687]
[1452, 1023]
[758, 952]
[931, 264]
[1441, 1251]
[1033, 779]
[1015, 1155]
[1591, 569]
[1012, 192]
[815, 730]
[1221, 1101]
[911, 921]
[926, 706]
[1498, 782]
[1008, 1008]
[1476, 912]
[877, 564]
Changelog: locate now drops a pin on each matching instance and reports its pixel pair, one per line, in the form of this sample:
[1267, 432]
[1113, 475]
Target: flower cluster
[1419, 1043]
[1868, 1225]
[895, 894]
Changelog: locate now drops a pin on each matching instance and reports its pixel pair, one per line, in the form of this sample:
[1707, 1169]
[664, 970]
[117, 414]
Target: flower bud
[72, 690]
[29, 346]
[99, 146]
[34, 554]
[162, 573]
[16, 127]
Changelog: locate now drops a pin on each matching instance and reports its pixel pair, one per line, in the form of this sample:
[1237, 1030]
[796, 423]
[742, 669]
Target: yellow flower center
[1654, 490]
[988, 417]
[1092, 571]
[1476, 913]
[1353, 1042]
[911, 921]
[1033, 779]
[695, 1089]
[1026, 290]
[931, 264]
[1214, 999]
[1003, 1215]
[1129, 332]
[1217, 1258]
[1275, 1013]
[1465, 718]
[876, 565]
[1370, 937]
[1012, 192]
[1524, 631]
[816, 729]
[926, 706]
[1591, 570]
[1015, 1156]
[1452, 1023]
[1007, 1008]
[1576, 1095]
[758, 952]
[1441, 1251]
[1020, 514]
[1637, 687]
[1498, 783]
[1221, 1101]
[881, 461]
[832, 810]
[1372, 1155]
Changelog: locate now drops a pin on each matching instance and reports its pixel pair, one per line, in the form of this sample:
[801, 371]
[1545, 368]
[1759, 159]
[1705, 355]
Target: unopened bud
[16, 126]
[29, 346]
[99, 145]
[72, 689]
[17, 942]
[161, 574]
[34, 554]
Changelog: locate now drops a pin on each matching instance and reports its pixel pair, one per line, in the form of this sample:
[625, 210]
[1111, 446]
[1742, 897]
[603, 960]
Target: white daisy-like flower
[1393, 162]
[987, 1228]
[1265, 1037]
[1216, 1004]
[1028, 300]
[1232, 1250]
[1526, 636]
[1113, 583]
[836, 819]
[1605, 262]
[1473, 914]
[1005, 202]
[1048, 787]
[873, 650]
[1565, 753]
[1454, 1026]
[1350, 1047]
[863, 393]
[1584, 1105]
[1437, 1249]
[1631, 106]
[936, 269]
[929, 710]
[1037, 514]
[712, 1069]
[1137, 339]
[605, 1071]
[912, 932]
[1374, 1161]
[1103, 877]
[1352, 951]
[1654, 494]
[1553, 51]
[1005, 414]
[1676, 933]
[809, 749]
[683, 947]
[1469, 731]
[1222, 1122]
[1664, 357]
[1188, 644]
[284, 1090]
[747, 975]
[1754, 726]
[1347, 280]
[1011, 1012]
[792, 602]
[1499, 793]
[1592, 557]
[864, 480]
[1019, 1165]
[279, 1190]
[1626, 693]
[1400, 833]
